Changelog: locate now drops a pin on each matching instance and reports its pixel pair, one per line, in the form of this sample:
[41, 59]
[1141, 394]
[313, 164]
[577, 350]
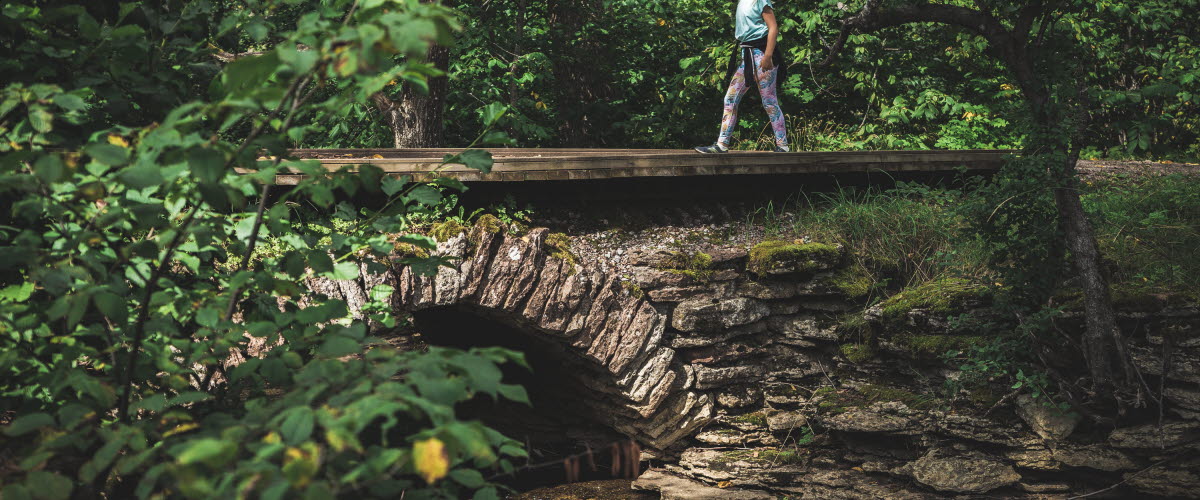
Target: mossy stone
[936, 345]
[940, 297]
[559, 247]
[444, 231]
[781, 257]
[857, 353]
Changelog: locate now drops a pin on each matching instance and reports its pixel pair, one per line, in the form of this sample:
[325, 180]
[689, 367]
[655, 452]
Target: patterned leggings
[770, 100]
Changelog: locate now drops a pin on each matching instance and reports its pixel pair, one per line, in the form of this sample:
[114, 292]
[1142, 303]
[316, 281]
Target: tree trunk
[416, 119]
[1102, 338]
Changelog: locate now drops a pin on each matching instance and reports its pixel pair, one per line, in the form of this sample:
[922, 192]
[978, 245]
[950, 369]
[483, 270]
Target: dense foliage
[148, 347]
[620, 73]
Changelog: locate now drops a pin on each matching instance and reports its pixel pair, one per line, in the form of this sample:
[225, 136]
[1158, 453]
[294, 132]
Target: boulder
[1048, 422]
[971, 472]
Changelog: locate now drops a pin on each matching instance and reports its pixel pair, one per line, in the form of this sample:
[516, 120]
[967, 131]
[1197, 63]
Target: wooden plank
[514, 165]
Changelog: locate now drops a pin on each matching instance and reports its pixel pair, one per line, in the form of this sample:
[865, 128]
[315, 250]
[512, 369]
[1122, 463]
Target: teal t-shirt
[748, 22]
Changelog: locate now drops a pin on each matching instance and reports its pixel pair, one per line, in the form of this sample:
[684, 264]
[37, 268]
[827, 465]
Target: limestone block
[972, 472]
[1048, 422]
[711, 315]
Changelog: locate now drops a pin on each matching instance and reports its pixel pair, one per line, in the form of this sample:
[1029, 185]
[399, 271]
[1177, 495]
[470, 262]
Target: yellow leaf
[117, 140]
[301, 464]
[271, 438]
[181, 428]
[377, 156]
[431, 460]
[724, 484]
[14, 145]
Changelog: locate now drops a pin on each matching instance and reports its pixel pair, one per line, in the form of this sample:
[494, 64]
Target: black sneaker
[715, 148]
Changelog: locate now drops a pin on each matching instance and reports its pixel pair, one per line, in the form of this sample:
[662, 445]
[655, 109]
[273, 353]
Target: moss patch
[489, 223]
[760, 457]
[937, 345]
[854, 282]
[559, 247]
[410, 250]
[858, 353]
[634, 290]
[770, 256]
[831, 401]
[940, 297]
[443, 231]
[697, 266]
[878, 393]
[757, 418]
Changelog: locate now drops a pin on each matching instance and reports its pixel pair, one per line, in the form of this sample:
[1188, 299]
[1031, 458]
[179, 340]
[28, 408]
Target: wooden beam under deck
[525, 165]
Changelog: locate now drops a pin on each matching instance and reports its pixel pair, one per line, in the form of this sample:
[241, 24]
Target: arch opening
[572, 400]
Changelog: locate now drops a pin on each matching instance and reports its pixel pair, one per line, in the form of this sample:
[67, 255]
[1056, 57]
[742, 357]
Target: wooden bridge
[521, 165]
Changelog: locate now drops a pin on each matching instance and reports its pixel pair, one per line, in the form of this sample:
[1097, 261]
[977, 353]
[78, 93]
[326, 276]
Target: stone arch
[515, 280]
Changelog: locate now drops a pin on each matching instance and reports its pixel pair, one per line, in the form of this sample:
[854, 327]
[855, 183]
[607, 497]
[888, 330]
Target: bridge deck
[514, 165]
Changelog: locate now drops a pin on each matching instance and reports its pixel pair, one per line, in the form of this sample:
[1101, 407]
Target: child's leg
[737, 89]
[770, 100]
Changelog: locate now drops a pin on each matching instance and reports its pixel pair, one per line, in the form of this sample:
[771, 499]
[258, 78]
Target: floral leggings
[770, 100]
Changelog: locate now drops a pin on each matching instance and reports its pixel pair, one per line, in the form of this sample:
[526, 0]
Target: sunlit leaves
[135, 202]
[430, 459]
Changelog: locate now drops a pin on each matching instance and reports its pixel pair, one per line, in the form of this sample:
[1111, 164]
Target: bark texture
[416, 118]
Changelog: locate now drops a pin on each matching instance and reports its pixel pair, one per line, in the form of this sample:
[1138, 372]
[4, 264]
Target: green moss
[410, 250]
[854, 282]
[634, 290]
[559, 247]
[443, 231]
[936, 345]
[774, 255]
[831, 401]
[878, 393]
[697, 266]
[940, 297]
[858, 353]
[984, 397]
[761, 457]
[757, 418]
[489, 223]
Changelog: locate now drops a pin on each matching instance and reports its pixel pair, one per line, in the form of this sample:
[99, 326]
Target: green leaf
[345, 270]
[425, 195]
[298, 425]
[49, 169]
[112, 306]
[26, 423]
[492, 113]
[70, 102]
[49, 486]
[514, 392]
[41, 120]
[108, 154]
[392, 185]
[16, 293]
[16, 492]
[142, 176]
[208, 165]
[382, 292]
[470, 478]
[477, 159]
[488, 493]
[210, 451]
[337, 346]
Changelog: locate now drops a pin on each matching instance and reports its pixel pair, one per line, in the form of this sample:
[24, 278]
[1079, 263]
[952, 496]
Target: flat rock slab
[673, 487]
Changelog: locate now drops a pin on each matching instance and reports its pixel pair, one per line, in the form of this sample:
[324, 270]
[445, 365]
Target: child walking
[756, 59]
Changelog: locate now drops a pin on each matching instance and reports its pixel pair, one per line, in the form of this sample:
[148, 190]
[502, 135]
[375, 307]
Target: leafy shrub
[150, 348]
